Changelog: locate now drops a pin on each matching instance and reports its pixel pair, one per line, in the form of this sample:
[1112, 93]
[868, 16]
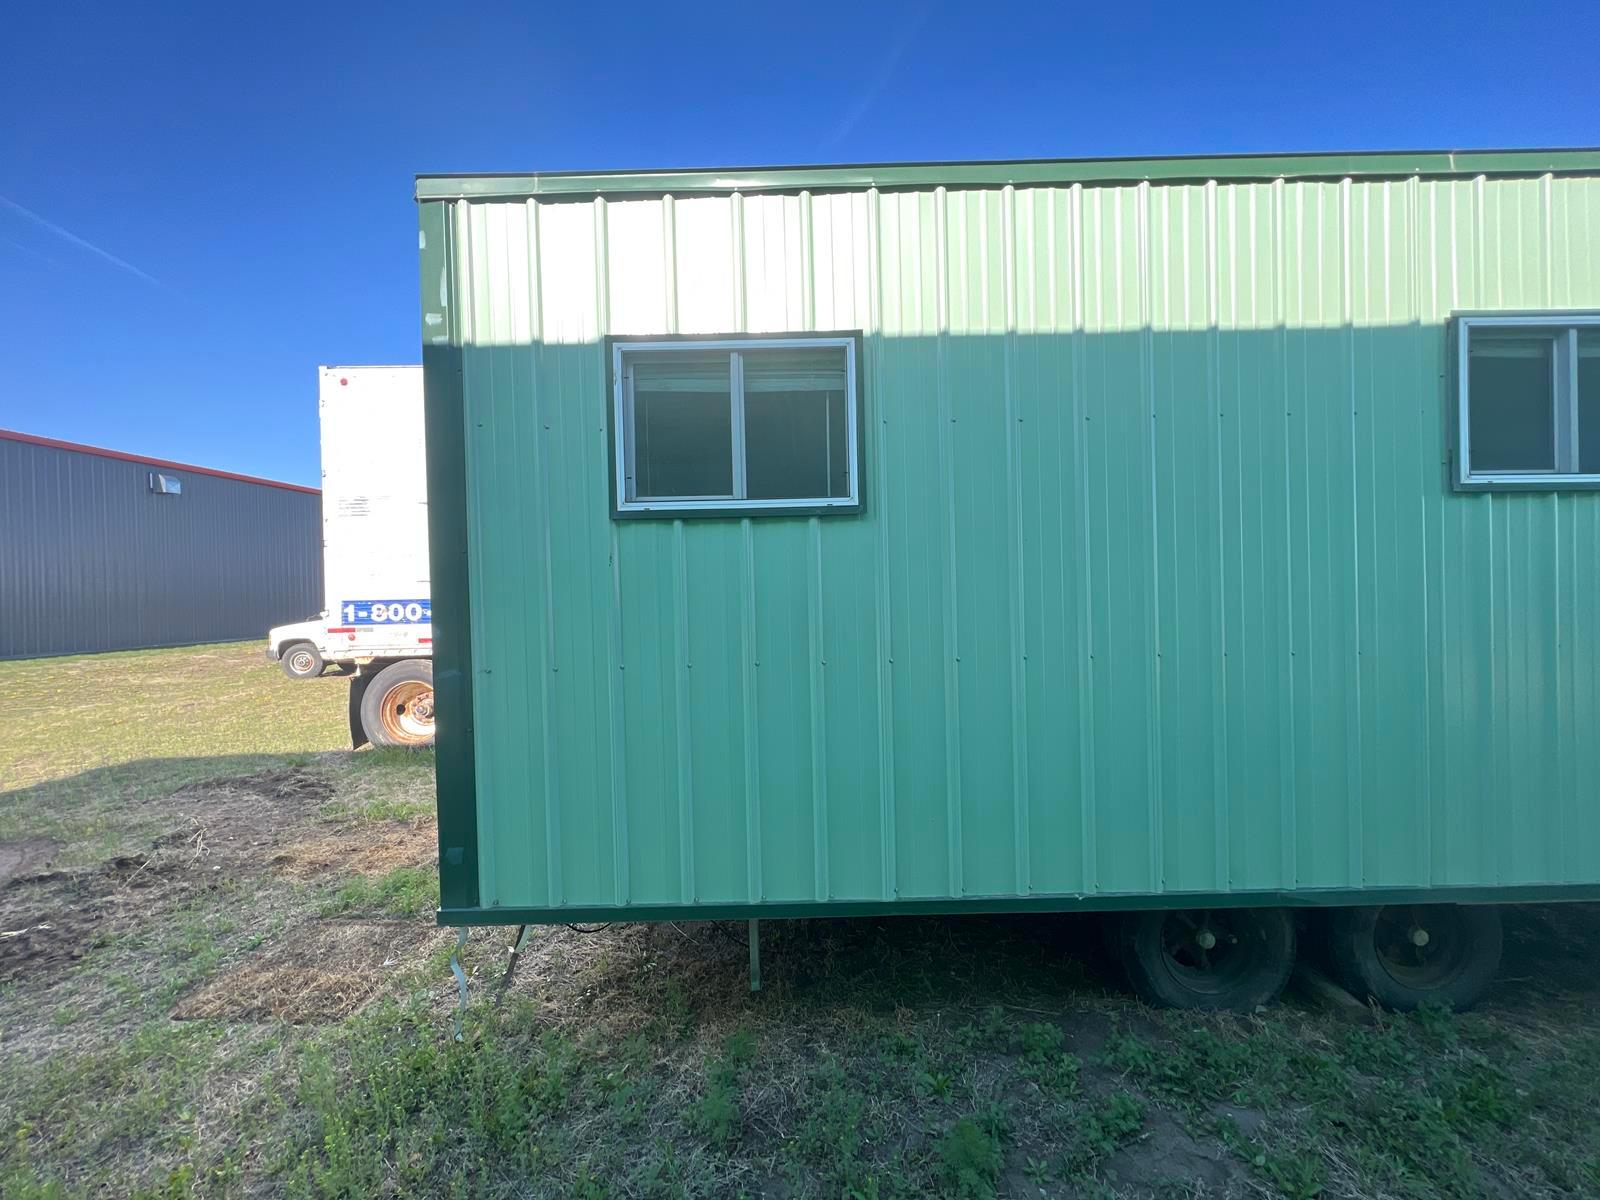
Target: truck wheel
[1407, 955]
[300, 660]
[397, 708]
[1232, 959]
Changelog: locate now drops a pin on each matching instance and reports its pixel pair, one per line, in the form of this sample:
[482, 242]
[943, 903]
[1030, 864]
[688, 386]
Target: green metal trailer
[1202, 539]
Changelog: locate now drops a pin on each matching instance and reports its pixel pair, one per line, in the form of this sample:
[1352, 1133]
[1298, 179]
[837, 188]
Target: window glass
[796, 424]
[1511, 402]
[764, 424]
[682, 425]
[1589, 402]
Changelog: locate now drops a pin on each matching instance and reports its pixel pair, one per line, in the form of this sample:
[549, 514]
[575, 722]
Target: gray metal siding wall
[92, 560]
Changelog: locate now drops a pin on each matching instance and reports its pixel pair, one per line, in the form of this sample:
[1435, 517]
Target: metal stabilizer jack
[461, 977]
[755, 955]
[516, 957]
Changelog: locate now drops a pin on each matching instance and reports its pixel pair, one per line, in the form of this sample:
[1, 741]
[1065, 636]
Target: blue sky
[200, 204]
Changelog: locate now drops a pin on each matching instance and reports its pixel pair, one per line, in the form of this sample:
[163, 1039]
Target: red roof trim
[29, 439]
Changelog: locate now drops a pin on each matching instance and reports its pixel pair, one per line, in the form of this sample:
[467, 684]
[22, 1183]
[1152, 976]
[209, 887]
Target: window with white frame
[1529, 400]
[746, 424]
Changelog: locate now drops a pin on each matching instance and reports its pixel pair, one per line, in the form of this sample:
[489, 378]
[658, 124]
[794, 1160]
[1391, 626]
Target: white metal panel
[568, 281]
[774, 264]
[375, 496]
[636, 260]
[703, 249]
[841, 261]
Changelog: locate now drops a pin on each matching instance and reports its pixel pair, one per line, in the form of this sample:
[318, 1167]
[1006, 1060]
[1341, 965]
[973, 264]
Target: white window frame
[1564, 328]
[622, 426]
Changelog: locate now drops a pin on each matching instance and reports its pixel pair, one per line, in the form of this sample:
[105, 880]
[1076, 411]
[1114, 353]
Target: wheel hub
[1420, 946]
[1203, 948]
[407, 712]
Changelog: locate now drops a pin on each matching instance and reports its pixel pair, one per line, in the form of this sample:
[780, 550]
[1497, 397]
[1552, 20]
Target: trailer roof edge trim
[1020, 172]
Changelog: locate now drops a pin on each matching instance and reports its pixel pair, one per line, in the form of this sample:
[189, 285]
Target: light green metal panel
[1160, 585]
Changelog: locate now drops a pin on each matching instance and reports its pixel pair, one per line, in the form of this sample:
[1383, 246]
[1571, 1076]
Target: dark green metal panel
[1099, 902]
[455, 763]
[1160, 589]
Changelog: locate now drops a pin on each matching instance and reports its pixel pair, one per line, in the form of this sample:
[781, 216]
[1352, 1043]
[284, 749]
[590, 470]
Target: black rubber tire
[383, 720]
[301, 660]
[1255, 966]
[1459, 981]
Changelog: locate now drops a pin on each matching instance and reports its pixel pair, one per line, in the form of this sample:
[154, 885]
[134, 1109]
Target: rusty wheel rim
[407, 712]
[301, 662]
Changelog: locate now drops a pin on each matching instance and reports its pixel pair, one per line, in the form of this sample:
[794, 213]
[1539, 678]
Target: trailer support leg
[516, 957]
[755, 955]
[461, 977]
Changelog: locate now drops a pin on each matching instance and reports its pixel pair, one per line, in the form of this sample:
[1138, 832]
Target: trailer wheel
[1232, 959]
[300, 660]
[397, 706]
[1407, 955]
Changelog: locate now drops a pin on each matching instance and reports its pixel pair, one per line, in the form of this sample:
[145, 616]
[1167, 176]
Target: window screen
[1513, 413]
[683, 426]
[763, 425]
[1589, 402]
[1529, 400]
[795, 424]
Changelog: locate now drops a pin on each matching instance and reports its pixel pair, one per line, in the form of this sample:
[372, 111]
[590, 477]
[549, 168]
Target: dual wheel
[396, 706]
[1236, 959]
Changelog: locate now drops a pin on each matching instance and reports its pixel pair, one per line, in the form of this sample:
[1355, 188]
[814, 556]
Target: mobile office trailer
[1200, 538]
[376, 618]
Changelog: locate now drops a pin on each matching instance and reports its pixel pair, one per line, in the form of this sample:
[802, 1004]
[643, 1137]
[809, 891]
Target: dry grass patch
[364, 850]
[318, 972]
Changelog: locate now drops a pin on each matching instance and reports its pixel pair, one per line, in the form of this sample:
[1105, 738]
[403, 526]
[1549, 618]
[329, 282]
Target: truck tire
[1407, 955]
[1221, 959]
[301, 660]
[397, 706]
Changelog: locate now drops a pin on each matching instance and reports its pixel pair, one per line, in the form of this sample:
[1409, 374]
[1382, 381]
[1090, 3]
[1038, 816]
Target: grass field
[219, 977]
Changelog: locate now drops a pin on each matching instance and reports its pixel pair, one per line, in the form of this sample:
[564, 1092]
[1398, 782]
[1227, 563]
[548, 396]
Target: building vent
[165, 485]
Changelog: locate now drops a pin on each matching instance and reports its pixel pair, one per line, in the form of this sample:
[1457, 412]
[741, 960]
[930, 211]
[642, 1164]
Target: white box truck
[377, 619]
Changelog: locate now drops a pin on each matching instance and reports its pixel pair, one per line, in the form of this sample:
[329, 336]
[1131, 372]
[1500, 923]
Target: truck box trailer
[377, 614]
[1208, 540]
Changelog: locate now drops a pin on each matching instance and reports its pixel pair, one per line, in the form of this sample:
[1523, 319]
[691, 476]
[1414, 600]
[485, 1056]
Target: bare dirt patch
[213, 832]
[24, 857]
[46, 932]
[241, 818]
[365, 850]
[1166, 1158]
[322, 971]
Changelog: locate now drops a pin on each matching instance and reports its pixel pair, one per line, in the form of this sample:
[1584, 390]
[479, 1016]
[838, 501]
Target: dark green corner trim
[728, 514]
[1307, 898]
[443, 398]
[1021, 173]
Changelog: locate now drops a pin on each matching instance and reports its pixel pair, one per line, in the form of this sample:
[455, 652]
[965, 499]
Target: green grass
[1412, 1108]
[402, 892]
[75, 714]
[88, 736]
[885, 1059]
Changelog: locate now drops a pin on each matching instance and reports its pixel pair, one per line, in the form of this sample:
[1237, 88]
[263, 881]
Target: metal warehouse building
[107, 551]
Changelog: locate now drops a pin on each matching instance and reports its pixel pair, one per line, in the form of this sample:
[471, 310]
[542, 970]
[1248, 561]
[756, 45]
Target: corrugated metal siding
[92, 560]
[1160, 585]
